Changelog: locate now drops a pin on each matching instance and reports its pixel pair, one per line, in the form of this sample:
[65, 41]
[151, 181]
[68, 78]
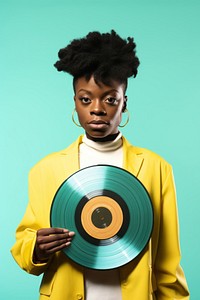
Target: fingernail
[71, 233]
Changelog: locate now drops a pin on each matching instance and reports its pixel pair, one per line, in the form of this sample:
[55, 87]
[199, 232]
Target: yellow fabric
[155, 274]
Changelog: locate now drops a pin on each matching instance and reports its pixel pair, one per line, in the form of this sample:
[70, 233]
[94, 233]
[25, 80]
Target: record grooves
[111, 213]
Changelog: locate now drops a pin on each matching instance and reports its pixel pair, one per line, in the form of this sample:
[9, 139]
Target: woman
[100, 65]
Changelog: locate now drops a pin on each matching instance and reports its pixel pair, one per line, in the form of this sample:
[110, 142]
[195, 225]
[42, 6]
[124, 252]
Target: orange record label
[102, 217]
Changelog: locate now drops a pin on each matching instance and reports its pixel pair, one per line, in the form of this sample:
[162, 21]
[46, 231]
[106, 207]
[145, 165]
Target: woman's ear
[125, 104]
[75, 102]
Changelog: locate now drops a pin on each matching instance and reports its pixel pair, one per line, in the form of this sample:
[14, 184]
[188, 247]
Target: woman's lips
[98, 124]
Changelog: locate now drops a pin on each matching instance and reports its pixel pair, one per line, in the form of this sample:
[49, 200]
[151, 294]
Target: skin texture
[49, 241]
[99, 108]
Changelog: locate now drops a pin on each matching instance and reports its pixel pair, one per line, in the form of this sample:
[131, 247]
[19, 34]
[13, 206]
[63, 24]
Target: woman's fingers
[51, 240]
[45, 236]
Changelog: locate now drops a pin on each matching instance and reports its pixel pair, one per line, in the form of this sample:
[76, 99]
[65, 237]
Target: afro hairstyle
[105, 56]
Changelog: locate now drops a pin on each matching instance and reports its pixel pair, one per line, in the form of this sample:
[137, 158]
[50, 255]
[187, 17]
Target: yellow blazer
[155, 274]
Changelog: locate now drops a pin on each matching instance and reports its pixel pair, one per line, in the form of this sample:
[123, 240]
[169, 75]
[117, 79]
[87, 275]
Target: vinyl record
[109, 210]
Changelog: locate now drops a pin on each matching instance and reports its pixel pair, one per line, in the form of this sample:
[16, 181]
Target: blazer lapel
[133, 158]
[70, 157]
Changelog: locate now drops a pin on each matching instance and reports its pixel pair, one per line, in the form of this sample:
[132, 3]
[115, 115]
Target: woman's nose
[97, 108]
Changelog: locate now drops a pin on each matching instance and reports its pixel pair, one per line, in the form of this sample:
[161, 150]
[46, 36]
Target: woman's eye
[111, 100]
[85, 100]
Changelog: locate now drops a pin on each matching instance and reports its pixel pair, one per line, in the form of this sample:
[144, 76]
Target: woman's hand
[49, 241]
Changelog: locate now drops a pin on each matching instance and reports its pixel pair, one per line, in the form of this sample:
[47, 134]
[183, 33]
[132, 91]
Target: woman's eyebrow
[105, 93]
[83, 90]
[110, 91]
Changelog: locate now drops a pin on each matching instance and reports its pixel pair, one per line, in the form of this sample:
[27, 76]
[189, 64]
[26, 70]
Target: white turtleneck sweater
[103, 284]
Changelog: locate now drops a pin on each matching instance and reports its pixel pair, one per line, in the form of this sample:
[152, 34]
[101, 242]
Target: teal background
[36, 104]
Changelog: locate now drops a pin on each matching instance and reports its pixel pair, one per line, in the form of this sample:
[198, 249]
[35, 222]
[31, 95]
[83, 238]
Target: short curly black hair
[106, 56]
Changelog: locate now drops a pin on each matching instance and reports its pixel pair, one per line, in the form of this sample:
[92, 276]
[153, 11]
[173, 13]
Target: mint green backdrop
[36, 104]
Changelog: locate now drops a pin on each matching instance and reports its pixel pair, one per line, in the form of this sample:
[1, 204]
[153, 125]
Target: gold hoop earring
[127, 120]
[73, 119]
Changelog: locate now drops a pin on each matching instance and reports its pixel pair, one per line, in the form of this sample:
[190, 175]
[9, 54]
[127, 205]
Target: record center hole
[101, 217]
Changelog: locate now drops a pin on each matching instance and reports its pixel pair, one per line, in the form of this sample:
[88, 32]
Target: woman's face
[99, 106]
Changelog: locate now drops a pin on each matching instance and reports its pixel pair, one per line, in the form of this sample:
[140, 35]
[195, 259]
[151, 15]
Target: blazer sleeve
[33, 220]
[170, 279]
